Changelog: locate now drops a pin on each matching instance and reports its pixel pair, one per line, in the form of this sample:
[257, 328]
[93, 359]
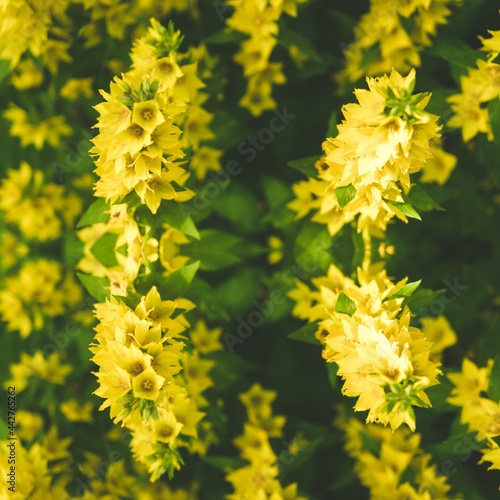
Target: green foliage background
[459, 244]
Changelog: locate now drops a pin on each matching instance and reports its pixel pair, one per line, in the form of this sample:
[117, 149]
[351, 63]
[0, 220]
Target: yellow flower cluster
[38, 209]
[392, 465]
[259, 479]
[439, 167]
[480, 86]
[481, 414]
[259, 20]
[364, 327]
[366, 168]
[156, 53]
[383, 360]
[116, 483]
[49, 131]
[138, 143]
[118, 16]
[40, 27]
[140, 353]
[382, 42]
[38, 291]
[49, 369]
[42, 470]
[150, 375]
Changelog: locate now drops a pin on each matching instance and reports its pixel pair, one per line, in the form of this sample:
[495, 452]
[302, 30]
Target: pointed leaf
[345, 305]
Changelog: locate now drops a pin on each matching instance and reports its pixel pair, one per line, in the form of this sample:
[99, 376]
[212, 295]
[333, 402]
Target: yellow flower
[147, 384]
[28, 424]
[167, 427]
[258, 402]
[205, 340]
[440, 333]
[147, 114]
[76, 87]
[469, 383]
[76, 412]
[438, 168]
[205, 159]
[27, 75]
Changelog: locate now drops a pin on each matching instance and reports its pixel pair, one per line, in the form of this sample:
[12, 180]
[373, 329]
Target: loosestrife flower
[383, 361]
[382, 42]
[393, 465]
[480, 413]
[138, 352]
[49, 369]
[120, 15]
[40, 290]
[49, 131]
[40, 210]
[35, 27]
[439, 167]
[366, 168]
[259, 479]
[157, 52]
[138, 144]
[38, 469]
[480, 86]
[259, 20]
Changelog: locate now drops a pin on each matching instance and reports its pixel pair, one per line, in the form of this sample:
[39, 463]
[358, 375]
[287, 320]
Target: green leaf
[225, 464]
[4, 430]
[104, 249]
[345, 305]
[494, 384]
[215, 250]
[289, 37]
[306, 166]
[97, 287]
[420, 301]
[332, 129]
[490, 342]
[421, 200]
[457, 53]
[95, 213]
[332, 369]
[229, 132]
[225, 36]
[206, 300]
[405, 291]
[238, 293]
[237, 205]
[312, 248]
[305, 334]
[494, 112]
[4, 69]
[405, 209]
[172, 214]
[345, 194]
[175, 284]
[277, 194]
